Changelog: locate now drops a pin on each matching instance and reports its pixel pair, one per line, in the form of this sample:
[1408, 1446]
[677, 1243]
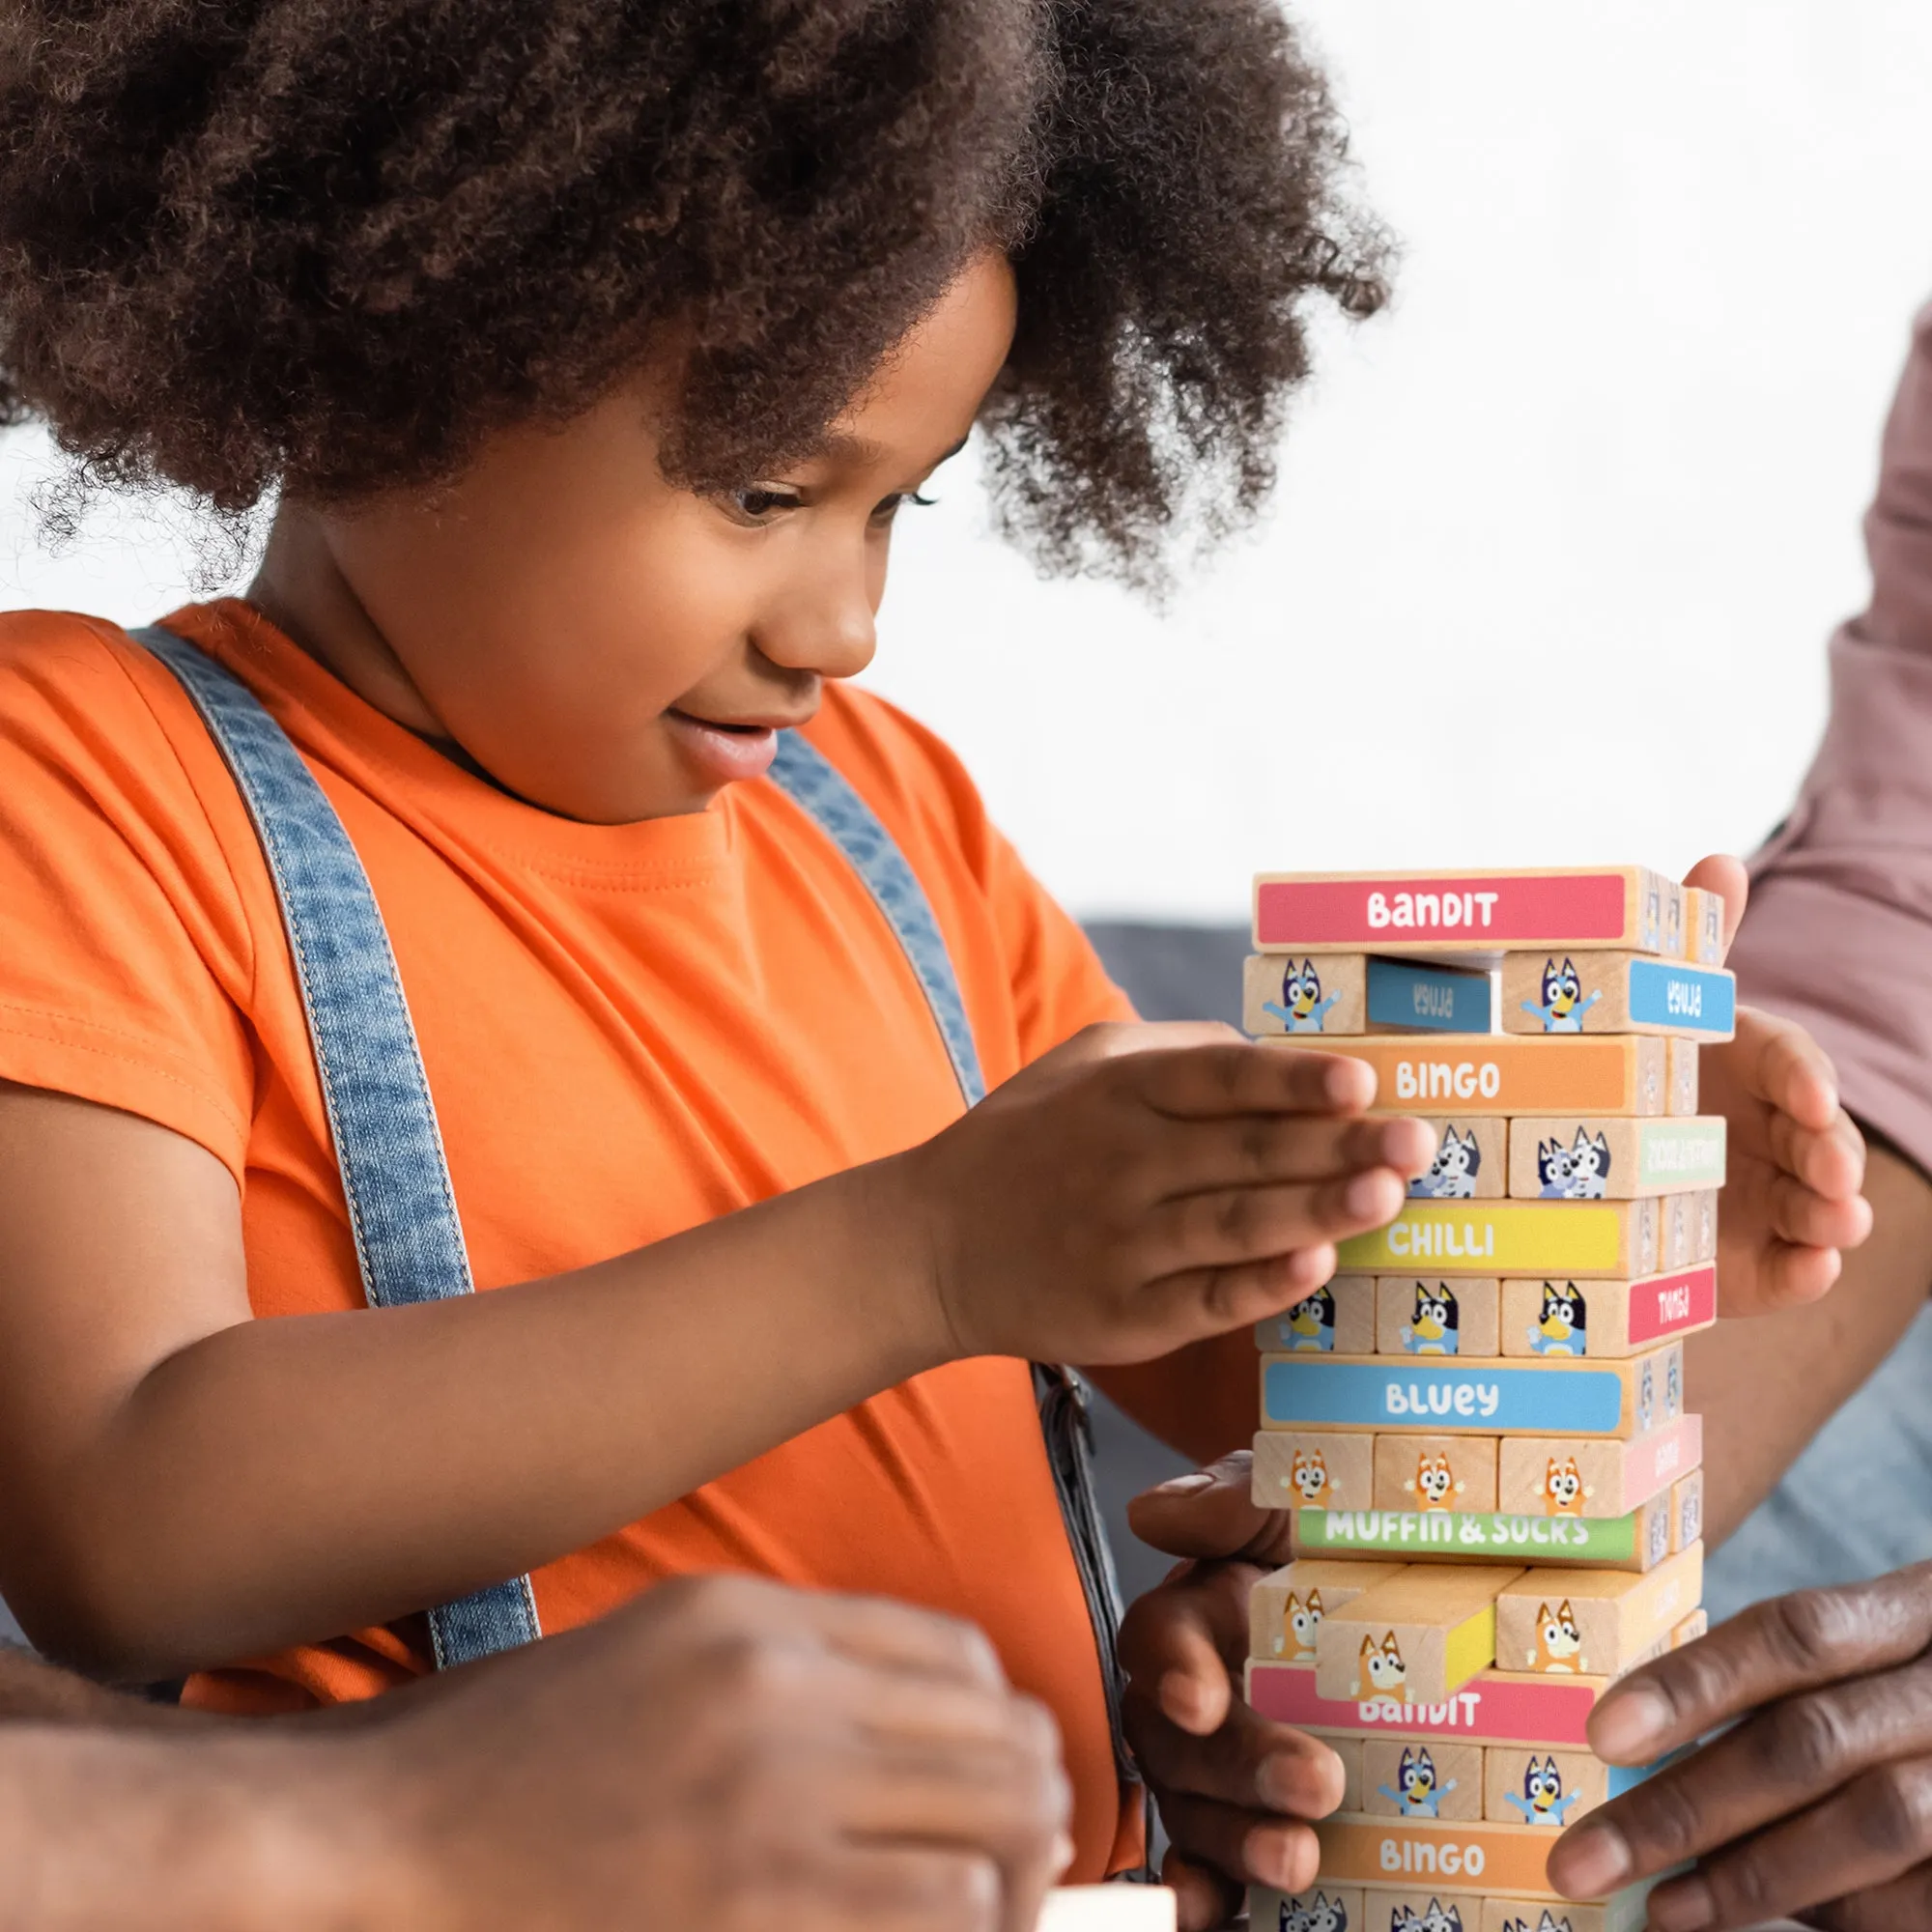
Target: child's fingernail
[1628, 1725]
[1592, 1861]
[1061, 1854]
[1184, 1485]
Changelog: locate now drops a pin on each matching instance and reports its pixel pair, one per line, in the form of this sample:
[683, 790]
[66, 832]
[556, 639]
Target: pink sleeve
[1838, 933]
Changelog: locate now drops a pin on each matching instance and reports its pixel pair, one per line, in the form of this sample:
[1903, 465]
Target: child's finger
[1271, 1150]
[1235, 1225]
[1247, 1078]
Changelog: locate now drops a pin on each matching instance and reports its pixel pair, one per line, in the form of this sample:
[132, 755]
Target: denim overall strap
[395, 1177]
[810, 780]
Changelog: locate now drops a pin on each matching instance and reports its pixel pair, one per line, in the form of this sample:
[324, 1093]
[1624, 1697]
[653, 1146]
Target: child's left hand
[1791, 1201]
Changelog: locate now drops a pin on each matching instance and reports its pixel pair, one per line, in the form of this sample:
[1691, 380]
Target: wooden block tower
[1479, 1424]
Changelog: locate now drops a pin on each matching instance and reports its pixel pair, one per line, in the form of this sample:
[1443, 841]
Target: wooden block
[1606, 1320]
[1338, 1319]
[1285, 1608]
[1625, 1912]
[1471, 1161]
[1496, 1075]
[1691, 1629]
[1328, 1907]
[1616, 992]
[1607, 1239]
[1436, 1473]
[1495, 1707]
[1464, 1395]
[1687, 1510]
[1593, 1622]
[1547, 1789]
[1703, 927]
[1494, 1858]
[1640, 1541]
[1424, 1909]
[1353, 993]
[1458, 914]
[1312, 1469]
[1418, 1317]
[1421, 1778]
[1567, 1158]
[1707, 1224]
[1681, 1083]
[1413, 1638]
[1567, 1477]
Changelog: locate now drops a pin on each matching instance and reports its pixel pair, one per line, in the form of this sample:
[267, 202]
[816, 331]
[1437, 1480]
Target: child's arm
[185, 1485]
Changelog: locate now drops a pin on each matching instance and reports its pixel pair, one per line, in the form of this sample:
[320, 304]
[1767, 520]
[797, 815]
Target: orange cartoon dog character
[1559, 1643]
[1299, 1622]
[1308, 1478]
[1382, 1665]
[1434, 1484]
[1563, 1489]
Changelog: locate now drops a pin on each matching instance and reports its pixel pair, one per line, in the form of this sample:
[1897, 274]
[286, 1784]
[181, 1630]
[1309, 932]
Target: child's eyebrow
[838, 447]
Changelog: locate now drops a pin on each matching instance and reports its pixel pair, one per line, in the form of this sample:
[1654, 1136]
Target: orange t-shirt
[628, 1030]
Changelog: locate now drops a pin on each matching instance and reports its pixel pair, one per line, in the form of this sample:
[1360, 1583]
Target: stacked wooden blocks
[1479, 1423]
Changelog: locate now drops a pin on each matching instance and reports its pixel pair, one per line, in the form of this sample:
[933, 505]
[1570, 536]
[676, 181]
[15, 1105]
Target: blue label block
[1406, 1395]
[1621, 1778]
[1427, 998]
[1693, 999]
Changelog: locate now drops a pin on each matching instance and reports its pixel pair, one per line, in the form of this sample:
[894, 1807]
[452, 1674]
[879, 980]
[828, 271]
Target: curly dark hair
[330, 245]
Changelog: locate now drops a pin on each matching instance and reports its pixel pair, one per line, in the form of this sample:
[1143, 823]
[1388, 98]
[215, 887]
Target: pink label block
[1509, 912]
[1654, 1461]
[1672, 1303]
[1492, 1708]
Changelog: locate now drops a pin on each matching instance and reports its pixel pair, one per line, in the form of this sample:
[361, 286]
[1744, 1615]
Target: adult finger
[1264, 1149]
[1212, 1513]
[1832, 1162]
[1776, 1062]
[1204, 1898]
[898, 1637]
[1248, 1077]
[1801, 1215]
[1773, 1766]
[1235, 1225]
[1251, 1762]
[1905, 1905]
[1182, 1643]
[1871, 1833]
[1724, 876]
[1773, 1650]
[1250, 1847]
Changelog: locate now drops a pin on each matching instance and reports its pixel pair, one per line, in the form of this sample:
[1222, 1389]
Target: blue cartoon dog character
[1564, 1002]
[1543, 1802]
[1420, 1796]
[1303, 1009]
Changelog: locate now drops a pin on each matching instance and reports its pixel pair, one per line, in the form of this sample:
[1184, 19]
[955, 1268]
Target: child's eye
[891, 505]
[760, 502]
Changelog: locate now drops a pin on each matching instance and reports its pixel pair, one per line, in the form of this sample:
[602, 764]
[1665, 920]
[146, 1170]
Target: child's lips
[723, 753]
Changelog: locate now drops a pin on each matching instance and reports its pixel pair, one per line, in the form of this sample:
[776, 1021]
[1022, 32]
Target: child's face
[608, 645]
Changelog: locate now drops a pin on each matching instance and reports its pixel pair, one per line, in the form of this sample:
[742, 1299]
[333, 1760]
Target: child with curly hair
[509, 894]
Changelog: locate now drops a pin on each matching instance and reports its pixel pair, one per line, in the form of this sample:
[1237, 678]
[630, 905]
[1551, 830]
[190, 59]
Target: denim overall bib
[402, 1210]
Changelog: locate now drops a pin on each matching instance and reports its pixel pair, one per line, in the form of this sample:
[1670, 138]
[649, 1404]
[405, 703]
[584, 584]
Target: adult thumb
[1211, 1513]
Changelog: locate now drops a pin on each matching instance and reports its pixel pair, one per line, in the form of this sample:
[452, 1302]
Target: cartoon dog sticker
[1434, 1486]
[1579, 1172]
[1302, 1008]
[1419, 1795]
[1382, 1665]
[1543, 1802]
[1562, 1328]
[1559, 1643]
[1299, 1622]
[1563, 1489]
[1309, 1328]
[1308, 1477]
[1440, 1918]
[1435, 1328]
[1452, 1174]
[1564, 1002]
[1544, 1924]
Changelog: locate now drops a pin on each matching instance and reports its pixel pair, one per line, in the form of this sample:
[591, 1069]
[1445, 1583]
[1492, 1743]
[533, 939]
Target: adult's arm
[1838, 936]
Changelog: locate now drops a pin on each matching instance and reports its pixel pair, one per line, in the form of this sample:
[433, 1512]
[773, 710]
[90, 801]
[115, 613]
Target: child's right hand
[1146, 1186]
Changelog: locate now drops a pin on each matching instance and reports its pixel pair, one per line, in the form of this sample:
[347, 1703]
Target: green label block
[1521, 1539]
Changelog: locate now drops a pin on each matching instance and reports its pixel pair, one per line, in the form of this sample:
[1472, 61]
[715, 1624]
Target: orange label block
[1493, 1073]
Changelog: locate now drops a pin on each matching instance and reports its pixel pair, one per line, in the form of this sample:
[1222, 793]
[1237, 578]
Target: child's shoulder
[78, 674]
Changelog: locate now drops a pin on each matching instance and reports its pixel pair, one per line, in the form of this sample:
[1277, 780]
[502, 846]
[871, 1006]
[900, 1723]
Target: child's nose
[823, 623]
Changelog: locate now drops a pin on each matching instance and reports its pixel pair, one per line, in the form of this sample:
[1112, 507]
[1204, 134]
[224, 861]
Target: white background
[1560, 539]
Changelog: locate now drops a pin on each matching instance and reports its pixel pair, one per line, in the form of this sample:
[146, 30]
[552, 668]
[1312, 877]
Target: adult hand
[1797, 1161]
[725, 1754]
[1148, 1186]
[1819, 1802]
[1234, 1789]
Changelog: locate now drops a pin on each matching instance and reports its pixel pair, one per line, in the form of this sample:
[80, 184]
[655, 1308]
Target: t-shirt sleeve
[124, 956]
[1838, 930]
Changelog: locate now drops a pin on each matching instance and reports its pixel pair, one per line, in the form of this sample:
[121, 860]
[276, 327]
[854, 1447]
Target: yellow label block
[1584, 1238]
